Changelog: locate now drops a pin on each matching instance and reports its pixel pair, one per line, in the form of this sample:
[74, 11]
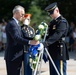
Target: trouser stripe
[61, 67]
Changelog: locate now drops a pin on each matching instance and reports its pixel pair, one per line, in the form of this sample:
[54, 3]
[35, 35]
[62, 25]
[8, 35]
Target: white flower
[34, 62]
[41, 26]
[30, 60]
[45, 24]
[37, 37]
[41, 46]
[36, 54]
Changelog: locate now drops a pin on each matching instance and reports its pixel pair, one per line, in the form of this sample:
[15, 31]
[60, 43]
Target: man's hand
[34, 42]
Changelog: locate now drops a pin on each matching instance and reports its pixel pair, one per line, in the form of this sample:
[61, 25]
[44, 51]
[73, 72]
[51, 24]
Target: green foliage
[36, 12]
[36, 8]
[37, 15]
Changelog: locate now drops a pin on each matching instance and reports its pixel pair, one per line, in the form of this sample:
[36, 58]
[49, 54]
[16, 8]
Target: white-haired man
[15, 42]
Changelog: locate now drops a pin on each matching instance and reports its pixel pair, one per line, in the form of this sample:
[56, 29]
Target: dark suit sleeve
[58, 33]
[14, 32]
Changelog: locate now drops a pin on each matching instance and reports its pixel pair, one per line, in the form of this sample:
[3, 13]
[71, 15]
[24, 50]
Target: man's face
[20, 15]
[27, 20]
[54, 15]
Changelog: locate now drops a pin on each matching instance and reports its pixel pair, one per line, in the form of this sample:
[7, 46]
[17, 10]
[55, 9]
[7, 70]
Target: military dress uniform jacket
[57, 32]
[28, 33]
[15, 42]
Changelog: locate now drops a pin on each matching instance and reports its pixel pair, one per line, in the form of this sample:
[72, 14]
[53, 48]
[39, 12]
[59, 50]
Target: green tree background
[36, 8]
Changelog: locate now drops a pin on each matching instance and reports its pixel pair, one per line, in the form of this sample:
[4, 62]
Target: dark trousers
[13, 67]
[61, 66]
[27, 69]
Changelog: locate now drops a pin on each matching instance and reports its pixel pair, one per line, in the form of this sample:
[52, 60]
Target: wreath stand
[40, 58]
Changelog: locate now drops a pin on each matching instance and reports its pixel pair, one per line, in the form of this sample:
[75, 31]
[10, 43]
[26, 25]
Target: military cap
[51, 7]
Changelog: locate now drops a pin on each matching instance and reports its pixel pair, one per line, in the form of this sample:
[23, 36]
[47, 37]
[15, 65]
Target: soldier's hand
[34, 42]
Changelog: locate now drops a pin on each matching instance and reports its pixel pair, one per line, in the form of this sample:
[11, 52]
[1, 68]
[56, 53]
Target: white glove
[41, 47]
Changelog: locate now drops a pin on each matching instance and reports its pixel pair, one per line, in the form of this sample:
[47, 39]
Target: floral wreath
[34, 50]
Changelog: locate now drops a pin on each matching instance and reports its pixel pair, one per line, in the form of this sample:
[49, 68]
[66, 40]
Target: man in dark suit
[58, 29]
[15, 42]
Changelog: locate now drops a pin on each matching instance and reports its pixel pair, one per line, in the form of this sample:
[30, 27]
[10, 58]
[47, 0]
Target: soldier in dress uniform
[28, 33]
[55, 41]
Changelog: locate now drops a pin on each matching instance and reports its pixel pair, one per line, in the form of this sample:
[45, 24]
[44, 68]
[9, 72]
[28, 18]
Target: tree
[38, 15]
[67, 7]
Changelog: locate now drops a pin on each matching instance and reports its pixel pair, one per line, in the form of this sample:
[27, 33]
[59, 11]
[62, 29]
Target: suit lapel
[18, 27]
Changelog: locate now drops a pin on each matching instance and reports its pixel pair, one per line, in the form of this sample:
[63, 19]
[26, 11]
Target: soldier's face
[27, 21]
[55, 14]
[52, 16]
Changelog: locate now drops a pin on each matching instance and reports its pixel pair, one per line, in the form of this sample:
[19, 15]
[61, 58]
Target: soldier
[55, 40]
[28, 33]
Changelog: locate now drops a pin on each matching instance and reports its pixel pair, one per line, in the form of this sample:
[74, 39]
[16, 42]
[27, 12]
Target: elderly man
[15, 42]
[55, 41]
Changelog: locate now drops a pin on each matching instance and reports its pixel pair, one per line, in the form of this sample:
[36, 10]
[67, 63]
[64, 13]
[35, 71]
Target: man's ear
[57, 10]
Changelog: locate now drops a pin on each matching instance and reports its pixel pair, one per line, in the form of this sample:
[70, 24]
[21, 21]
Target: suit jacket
[57, 32]
[15, 41]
